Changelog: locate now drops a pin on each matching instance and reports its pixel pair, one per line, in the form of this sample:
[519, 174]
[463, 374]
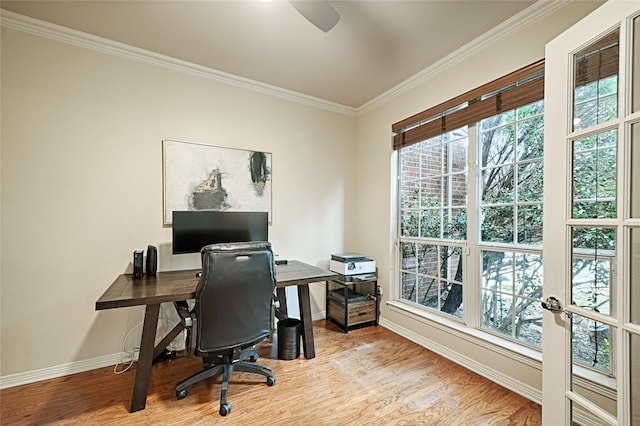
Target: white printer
[352, 264]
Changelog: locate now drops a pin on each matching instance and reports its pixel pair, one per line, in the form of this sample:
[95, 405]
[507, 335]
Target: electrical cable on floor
[166, 323]
[131, 352]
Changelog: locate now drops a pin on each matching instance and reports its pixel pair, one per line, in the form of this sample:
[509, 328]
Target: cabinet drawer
[359, 312]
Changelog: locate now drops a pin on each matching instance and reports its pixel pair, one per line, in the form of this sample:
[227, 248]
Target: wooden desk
[174, 286]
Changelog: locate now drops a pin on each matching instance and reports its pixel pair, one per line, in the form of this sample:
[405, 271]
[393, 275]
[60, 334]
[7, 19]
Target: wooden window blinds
[519, 88]
[597, 61]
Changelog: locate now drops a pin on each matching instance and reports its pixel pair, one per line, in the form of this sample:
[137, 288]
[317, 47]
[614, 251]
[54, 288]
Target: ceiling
[374, 47]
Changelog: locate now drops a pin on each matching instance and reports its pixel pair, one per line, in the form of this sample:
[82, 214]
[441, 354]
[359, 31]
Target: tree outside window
[511, 270]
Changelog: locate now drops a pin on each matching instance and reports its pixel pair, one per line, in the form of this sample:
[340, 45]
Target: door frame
[556, 348]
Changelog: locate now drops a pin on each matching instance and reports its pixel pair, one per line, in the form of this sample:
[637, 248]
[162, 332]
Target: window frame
[519, 88]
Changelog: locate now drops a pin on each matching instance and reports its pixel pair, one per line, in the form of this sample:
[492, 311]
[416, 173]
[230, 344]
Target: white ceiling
[375, 46]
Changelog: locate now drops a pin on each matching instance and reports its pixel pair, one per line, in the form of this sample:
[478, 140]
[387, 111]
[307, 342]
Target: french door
[591, 346]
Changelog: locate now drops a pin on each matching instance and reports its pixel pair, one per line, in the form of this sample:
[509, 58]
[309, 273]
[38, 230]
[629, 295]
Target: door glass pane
[635, 170]
[634, 367]
[592, 274]
[596, 83]
[635, 63]
[634, 291]
[594, 160]
[591, 343]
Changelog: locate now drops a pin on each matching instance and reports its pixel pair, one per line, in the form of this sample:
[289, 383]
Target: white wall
[374, 188]
[81, 163]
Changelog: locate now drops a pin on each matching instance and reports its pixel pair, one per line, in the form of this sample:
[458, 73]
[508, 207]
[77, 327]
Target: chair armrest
[182, 307]
[188, 319]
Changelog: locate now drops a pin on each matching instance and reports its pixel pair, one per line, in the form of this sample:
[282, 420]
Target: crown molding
[62, 34]
[528, 16]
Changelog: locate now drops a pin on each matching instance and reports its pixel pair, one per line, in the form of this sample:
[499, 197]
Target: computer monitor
[193, 230]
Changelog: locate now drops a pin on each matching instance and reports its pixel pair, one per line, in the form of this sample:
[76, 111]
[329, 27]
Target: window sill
[586, 378]
[512, 350]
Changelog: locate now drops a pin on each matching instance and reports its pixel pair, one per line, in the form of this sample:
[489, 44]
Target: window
[510, 244]
[470, 187]
[433, 210]
[434, 202]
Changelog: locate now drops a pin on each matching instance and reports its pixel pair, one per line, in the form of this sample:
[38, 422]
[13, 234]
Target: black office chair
[232, 313]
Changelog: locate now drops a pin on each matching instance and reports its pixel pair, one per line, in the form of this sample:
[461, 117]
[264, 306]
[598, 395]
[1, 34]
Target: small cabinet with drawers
[353, 301]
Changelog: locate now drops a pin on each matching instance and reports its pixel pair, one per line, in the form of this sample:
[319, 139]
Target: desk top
[172, 286]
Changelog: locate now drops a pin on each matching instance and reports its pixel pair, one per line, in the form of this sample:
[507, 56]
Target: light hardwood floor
[370, 376]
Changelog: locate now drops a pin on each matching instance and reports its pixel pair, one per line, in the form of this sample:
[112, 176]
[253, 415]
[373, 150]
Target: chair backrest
[234, 295]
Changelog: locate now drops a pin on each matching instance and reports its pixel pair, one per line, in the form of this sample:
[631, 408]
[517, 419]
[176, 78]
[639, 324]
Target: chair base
[222, 365]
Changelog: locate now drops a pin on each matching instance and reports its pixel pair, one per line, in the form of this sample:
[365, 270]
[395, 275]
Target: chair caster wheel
[253, 357]
[271, 380]
[225, 409]
[181, 394]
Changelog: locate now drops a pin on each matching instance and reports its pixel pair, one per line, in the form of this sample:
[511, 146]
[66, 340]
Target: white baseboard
[62, 370]
[18, 379]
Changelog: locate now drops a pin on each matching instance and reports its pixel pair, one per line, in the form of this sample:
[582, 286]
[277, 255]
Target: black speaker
[137, 264]
[152, 261]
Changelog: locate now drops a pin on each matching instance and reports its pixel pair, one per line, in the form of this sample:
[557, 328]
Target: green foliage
[594, 176]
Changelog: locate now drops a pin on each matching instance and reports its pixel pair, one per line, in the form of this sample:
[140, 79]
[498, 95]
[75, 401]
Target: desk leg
[304, 302]
[145, 358]
[282, 299]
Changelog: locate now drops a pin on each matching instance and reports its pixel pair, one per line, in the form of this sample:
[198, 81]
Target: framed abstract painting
[206, 177]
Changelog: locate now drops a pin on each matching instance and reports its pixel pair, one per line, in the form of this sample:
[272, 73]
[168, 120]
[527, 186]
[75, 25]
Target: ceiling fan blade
[319, 12]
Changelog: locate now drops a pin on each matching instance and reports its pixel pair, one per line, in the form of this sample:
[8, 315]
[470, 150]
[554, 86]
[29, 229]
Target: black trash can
[289, 331]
